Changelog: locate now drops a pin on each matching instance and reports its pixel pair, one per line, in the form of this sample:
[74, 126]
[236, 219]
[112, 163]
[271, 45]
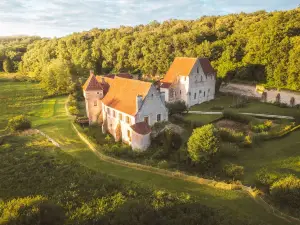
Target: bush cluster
[261, 127]
[73, 106]
[204, 143]
[234, 171]
[286, 191]
[176, 107]
[230, 135]
[18, 123]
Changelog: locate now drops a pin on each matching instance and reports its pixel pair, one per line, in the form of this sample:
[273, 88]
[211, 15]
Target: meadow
[71, 177]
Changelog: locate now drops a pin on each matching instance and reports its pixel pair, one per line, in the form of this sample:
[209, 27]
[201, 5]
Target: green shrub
[73, 110]
[267, 178]
[230, 135]
[176, 107]
[286, 191]
[261, 127]
[247, 141]
[30, 210]
[163, 164]
[234, 171]
[203, 143]
[19, 123]
[228, 114]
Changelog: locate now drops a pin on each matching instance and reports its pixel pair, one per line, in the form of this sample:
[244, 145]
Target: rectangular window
[120, 116]
[129, 135]
[204, 93]
[95, 103]
[200, 91]
[127, 119]
[180, 92]
[114, 113]
[146, 119]
[158, 117]
[108, 111]
[195, 95]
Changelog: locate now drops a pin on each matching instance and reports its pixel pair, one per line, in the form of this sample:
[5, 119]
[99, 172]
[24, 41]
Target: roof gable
[181, 66]
[92, 84]
[123, 92]
[206, 66]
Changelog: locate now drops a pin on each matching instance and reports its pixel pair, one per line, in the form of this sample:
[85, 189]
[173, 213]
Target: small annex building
[191, 80]
[126, 107]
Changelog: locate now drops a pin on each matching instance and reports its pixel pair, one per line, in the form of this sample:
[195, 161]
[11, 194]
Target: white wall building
[191, 80]
[131, 106]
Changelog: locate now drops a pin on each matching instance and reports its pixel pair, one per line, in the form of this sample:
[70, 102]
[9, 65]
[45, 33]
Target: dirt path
[250, 114]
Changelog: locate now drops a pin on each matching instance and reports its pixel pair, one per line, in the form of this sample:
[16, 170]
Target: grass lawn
[252, 107]
[205, 119]
[21, 98]
[49, 116]
[280, 155]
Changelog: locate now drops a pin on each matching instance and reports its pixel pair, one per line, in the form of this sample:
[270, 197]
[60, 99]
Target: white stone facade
[193, 88]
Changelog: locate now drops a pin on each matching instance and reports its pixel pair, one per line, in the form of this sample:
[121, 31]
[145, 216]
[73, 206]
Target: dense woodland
[259, 47]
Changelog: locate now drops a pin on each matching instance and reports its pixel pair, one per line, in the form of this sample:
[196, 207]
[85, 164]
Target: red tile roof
[123, 75]
[181, 66]
[122, 94]
[92, 84]
[165, 85]
[141, 128]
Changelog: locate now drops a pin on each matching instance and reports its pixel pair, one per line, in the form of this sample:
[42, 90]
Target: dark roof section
[92, 84]
[206, 66]
[141, 128]
[122, 75]
[165, 85]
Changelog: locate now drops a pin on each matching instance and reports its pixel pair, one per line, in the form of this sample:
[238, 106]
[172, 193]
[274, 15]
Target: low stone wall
[251, 91]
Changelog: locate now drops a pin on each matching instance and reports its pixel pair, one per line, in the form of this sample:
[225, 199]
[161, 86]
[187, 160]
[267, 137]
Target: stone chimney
[92, 72]
[139, 101]
[163, 97]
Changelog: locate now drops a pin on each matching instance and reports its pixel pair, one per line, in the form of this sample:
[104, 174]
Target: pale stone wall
[250, 91]
[113, 121]
[201, 87]
[140, 142]
[151, 107]
[93, 104]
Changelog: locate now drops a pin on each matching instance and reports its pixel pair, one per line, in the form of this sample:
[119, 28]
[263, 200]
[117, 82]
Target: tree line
[262, 47]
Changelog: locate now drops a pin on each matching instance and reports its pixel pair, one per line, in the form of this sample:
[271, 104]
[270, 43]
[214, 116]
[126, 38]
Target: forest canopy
[262, 47]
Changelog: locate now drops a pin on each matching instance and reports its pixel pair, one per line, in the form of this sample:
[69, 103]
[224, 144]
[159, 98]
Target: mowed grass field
[23, 98]
[252, 107]
[49, 116]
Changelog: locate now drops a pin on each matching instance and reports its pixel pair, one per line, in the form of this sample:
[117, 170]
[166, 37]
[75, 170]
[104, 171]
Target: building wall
[250, 91]
[93, 104]
[201, 87]
[140, 142]
[113, 119]
[152, 105]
